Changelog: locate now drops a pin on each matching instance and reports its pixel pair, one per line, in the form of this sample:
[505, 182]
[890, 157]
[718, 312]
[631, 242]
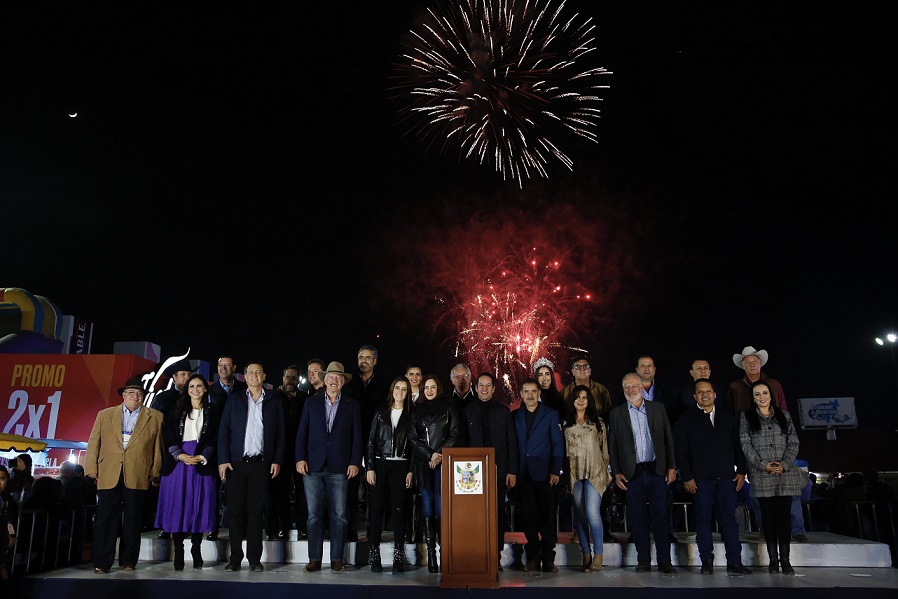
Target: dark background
[236, 181]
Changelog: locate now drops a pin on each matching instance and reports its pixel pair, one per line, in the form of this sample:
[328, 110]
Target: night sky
[237, 180]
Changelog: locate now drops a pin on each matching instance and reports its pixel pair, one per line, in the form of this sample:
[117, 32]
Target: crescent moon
[73, 115]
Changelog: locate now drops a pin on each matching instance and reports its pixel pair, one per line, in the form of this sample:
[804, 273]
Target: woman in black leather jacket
[389, 474]
[436, 425]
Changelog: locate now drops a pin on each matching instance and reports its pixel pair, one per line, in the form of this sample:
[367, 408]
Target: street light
[891, 339]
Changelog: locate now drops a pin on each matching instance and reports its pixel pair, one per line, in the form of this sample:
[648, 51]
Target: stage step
[821, 549]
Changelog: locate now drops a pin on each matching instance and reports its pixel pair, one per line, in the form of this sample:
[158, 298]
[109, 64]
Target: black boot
[374, 557]
[178, 539]
[773, 566]
[430, 537]
[784, 559]
[196, 549]
[399, 558]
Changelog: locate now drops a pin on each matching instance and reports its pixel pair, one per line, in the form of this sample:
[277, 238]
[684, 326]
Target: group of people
[357, 435]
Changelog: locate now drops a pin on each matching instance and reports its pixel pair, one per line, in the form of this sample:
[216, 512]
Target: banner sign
[57, 396]
[827, 412]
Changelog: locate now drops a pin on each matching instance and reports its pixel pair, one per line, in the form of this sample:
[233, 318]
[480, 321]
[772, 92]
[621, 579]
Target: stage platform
[827, 565]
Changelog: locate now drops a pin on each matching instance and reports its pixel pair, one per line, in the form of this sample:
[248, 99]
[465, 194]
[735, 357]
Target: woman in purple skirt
[187, 492]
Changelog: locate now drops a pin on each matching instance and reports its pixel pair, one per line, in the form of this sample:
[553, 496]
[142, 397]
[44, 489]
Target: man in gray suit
[640, 445]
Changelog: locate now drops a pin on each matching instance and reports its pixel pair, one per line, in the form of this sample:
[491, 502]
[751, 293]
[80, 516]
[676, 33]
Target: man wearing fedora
[250, 453]
[124, 456]
[328, 455]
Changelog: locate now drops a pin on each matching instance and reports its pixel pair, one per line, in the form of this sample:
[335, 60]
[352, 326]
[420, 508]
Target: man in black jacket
[490, 424]
[713, 470]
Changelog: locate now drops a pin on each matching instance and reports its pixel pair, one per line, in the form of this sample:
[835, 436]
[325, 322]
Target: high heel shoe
[587, 563]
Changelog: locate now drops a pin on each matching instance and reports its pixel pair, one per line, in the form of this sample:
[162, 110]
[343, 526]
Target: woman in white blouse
[187, 505]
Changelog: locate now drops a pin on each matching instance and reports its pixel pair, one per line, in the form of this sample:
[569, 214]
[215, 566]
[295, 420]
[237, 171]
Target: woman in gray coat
[770, 446]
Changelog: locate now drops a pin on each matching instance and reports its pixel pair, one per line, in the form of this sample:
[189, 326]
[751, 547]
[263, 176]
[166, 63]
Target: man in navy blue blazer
[250, 453]
[541, 450]
[328, 455]
[713, 469]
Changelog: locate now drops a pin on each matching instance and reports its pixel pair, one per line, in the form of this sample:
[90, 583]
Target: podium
[469, 549]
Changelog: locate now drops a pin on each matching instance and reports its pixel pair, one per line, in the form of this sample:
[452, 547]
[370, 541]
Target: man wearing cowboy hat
[328, 455]
[124, 454]
[751, 360]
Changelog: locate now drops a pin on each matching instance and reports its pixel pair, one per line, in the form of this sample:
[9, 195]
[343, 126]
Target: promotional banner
[57, 396]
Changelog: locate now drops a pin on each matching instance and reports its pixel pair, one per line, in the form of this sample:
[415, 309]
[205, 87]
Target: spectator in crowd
[9, 519]
[21, 478]
[770, 446]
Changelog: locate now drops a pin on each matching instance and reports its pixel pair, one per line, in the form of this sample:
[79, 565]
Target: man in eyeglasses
[582, 371]
[124, 457]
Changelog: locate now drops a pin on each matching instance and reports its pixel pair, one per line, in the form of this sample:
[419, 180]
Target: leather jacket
[383, 441]
[436, 425]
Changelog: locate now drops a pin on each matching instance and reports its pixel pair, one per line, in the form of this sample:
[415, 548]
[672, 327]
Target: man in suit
[708, 451]
[250, 453]
[226, 384]
[541, 450]
[124, 456]
[653, 391]
[329, 455]
[701, 369]
[640, 445]
[490, 424]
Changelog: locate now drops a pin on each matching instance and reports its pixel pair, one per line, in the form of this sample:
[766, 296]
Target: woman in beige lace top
[585, 437]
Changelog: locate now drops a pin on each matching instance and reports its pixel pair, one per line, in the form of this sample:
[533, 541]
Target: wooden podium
[469, 549]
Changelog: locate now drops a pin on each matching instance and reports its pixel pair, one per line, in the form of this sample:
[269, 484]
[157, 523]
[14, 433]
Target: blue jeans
[588, 508]
[797, 516]
[432, 501]
[326, 488]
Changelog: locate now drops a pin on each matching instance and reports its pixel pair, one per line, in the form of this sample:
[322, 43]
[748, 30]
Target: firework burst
[505, 287]
[501, 80]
